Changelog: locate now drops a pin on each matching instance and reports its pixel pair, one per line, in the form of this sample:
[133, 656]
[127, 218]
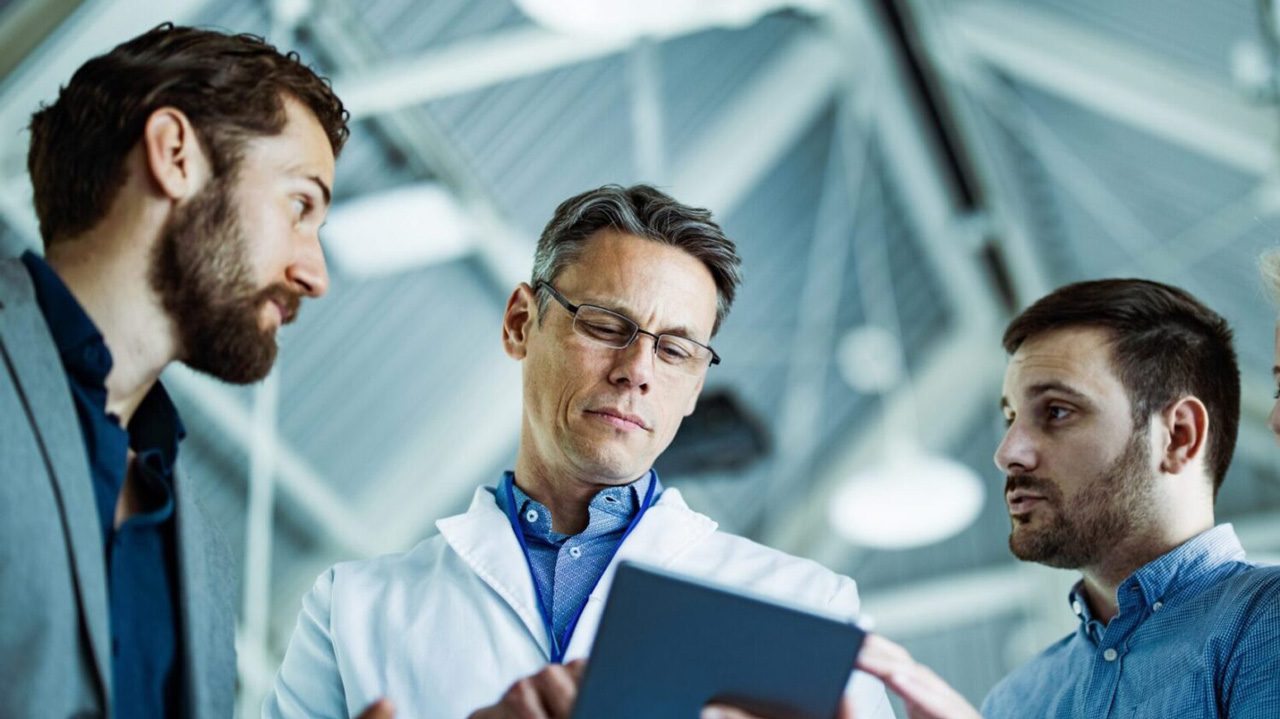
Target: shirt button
[531, 516]
[1157, 606]
[1075, 607]
[575, 552]
[1110, 655]
[610, 499]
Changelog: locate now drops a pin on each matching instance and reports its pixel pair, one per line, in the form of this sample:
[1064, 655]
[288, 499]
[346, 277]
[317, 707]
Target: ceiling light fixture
[400, 230]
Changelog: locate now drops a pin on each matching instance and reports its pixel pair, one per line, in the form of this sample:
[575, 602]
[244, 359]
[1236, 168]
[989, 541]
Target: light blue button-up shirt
[1197, 635]
[568, 566]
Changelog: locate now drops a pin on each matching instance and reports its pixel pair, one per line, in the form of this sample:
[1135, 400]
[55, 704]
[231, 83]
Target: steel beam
[1117, 80]
[759, 125]
[491, 59]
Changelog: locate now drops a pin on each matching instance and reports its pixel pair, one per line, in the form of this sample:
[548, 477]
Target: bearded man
[1122, 399]
[180, 180]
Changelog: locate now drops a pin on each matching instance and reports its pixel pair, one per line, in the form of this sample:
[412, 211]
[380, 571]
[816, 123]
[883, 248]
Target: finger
[720, 711]
[522, 701]
[881, 657]
[846, 709]
[576, 668]
[557, 689]
[928, 696]
[381, 709]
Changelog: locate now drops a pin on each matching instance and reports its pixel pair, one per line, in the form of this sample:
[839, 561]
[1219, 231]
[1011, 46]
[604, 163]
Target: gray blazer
[55, 643]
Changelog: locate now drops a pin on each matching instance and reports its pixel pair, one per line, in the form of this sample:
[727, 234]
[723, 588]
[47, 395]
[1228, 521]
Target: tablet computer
[669, 644]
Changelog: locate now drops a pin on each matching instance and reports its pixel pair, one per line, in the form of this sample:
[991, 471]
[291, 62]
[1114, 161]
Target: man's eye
[300, 207]
[673, 352]
[604, 330]
[1058, 412]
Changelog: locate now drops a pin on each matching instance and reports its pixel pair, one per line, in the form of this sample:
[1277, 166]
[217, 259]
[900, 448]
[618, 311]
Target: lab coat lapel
[483, 539]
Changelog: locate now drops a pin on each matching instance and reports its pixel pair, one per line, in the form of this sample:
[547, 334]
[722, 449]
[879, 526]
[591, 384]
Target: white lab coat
[447, 627]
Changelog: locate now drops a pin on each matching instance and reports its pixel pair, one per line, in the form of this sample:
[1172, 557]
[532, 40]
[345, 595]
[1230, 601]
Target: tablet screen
[668, 645]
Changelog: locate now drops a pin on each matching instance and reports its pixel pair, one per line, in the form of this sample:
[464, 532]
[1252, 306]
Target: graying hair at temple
[642, 211]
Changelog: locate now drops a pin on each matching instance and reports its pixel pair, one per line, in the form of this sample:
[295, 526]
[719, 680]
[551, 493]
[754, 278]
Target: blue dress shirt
[140, 555]
[1197, 635]
[568, 566]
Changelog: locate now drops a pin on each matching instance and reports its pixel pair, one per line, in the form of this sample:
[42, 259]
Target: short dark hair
[1165, 344]
[642, 211]
[231, 87]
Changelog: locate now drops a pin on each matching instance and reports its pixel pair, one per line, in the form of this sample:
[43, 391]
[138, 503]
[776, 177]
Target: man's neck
[566, 496]
[1103, 579]
[110, 280]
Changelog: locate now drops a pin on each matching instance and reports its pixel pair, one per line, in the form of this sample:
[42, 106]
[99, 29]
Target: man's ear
[174, 155]
[517, 321]
[1186, 425]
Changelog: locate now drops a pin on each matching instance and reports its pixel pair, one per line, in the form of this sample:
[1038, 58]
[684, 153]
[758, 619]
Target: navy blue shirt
[140, 555]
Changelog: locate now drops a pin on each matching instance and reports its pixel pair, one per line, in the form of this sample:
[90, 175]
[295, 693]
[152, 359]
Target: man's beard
[202, 273]
[1109, 508]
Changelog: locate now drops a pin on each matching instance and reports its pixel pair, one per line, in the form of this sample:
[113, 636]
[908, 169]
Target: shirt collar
[1192, 563]
[612, 507]
[156, 429]
[80, 344]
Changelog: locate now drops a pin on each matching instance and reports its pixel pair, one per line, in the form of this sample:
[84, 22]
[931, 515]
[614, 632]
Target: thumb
[381, 709]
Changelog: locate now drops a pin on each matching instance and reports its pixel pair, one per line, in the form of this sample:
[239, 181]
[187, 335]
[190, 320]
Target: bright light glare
[396, 231]
[911, 500]
[870, 359]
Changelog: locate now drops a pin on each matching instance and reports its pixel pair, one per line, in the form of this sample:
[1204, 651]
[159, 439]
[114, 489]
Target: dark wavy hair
[1165, 344]
[231, 87]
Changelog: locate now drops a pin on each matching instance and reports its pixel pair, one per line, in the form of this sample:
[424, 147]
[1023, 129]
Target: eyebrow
[680, 330]
[1040, 388]
[324, 189]
[299, 171]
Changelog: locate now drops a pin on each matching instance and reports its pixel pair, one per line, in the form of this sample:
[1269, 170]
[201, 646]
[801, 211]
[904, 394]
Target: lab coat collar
[482, 538]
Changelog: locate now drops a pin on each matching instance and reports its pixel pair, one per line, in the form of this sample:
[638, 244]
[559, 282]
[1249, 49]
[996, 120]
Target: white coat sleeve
[309, 683]
[869, 698]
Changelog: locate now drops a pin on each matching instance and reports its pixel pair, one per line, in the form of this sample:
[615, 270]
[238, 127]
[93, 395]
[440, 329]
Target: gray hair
[642, 211]
[1269, 266]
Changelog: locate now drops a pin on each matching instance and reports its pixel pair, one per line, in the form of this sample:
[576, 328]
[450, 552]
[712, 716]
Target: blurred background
[900, 177]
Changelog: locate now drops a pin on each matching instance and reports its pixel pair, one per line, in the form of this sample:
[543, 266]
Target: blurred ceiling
[925, 166]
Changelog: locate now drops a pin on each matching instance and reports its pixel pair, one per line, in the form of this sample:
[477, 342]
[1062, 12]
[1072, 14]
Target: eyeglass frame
[573, 310]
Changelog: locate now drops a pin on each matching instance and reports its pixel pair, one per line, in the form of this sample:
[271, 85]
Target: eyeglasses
[617, 332]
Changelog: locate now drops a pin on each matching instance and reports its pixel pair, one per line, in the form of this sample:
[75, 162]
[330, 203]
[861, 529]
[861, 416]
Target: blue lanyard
[560, 644]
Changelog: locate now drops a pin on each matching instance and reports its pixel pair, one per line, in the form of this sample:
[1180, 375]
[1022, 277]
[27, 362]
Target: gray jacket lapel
[206, 592]
[26, 345]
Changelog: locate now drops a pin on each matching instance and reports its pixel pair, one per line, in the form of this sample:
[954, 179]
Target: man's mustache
[288, 299]
[1029, 483]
